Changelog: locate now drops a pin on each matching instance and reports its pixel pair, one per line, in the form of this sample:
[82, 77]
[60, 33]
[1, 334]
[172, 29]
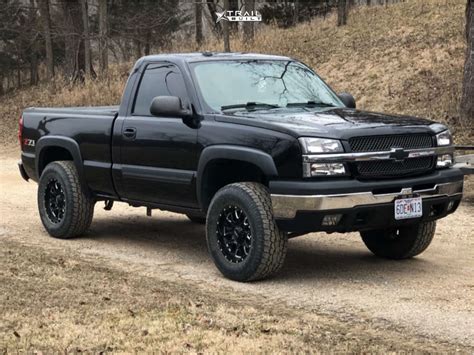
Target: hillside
[408, 60]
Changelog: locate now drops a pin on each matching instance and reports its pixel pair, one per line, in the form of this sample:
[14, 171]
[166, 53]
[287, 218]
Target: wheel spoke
[234, 234]
[55, 201]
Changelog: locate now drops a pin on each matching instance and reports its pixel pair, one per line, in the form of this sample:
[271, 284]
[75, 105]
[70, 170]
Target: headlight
[444, 138]
[320, 145]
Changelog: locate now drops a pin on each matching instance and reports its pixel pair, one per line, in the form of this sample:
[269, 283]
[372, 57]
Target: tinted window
[159, 80]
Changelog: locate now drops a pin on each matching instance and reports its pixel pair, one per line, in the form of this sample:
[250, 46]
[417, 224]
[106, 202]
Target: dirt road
[430, 296]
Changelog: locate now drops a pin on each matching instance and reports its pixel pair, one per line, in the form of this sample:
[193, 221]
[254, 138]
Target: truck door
[158, 155]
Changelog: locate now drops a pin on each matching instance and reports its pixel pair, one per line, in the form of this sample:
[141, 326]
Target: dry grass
[56, 301]
[405, 58]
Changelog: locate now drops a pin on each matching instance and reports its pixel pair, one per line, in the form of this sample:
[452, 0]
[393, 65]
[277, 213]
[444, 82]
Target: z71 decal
[28, 142]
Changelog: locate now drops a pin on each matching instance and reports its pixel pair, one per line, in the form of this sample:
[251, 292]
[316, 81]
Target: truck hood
[339, 123]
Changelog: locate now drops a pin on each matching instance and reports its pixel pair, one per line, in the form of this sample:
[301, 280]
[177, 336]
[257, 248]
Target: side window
[163, 79]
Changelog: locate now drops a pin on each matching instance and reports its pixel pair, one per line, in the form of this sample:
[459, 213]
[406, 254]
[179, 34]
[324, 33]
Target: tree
[86, 39]
[232, 5]
[226, 29]
[212, 7]
[198, 21]
[248, 26]
[342, 12]
[33, 51]
[295, 12]
[140, 26]
[103, 38]
[73, 40]
[46, 26]
[467, 99]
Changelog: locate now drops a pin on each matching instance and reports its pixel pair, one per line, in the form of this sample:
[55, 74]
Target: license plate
[406, 208]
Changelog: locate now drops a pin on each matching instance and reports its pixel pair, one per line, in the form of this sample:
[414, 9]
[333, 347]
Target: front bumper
[302, 206]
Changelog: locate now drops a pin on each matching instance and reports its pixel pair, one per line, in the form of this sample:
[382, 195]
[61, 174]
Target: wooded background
[77, 39]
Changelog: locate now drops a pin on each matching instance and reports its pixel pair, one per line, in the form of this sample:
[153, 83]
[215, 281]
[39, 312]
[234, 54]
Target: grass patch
[57, 301]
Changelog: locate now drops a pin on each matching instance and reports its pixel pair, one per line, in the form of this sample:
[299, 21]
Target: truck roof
[209, 56]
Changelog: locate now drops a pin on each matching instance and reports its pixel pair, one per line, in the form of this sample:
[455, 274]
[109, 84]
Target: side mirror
[168, 106]
[347, 99]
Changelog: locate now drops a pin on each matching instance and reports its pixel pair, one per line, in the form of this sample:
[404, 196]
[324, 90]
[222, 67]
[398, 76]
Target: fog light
[444, 161]
[324, 169]
[331, 219]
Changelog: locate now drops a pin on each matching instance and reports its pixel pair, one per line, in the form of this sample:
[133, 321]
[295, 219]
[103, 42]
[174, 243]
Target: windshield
[261, 84]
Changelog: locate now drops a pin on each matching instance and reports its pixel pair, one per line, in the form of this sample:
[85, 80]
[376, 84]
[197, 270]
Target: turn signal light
[444, 161]
[324, 169]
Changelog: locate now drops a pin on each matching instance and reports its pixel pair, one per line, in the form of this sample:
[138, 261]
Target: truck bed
[89, 127]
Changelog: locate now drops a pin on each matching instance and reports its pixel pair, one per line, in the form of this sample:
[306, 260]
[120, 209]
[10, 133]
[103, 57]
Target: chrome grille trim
[371, 156]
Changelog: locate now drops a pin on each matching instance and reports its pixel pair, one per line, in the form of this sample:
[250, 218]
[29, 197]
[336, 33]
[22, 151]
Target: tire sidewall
[233, 196]
[56, 171]
[406, 245]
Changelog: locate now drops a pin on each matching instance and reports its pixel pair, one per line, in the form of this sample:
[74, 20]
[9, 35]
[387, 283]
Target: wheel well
[50, 154]
[221, 172]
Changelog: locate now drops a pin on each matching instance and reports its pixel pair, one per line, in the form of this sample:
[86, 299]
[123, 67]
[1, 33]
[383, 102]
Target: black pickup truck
[258, 147]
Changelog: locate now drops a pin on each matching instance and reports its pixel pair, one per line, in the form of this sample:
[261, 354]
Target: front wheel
[66, 210]
[242, 236]
[400, 243]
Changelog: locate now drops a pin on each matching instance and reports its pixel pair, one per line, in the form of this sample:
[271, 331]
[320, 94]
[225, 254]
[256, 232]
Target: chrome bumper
[383, 155]
[286, 206]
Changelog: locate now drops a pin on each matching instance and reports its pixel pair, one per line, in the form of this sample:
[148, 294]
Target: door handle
[130, 132]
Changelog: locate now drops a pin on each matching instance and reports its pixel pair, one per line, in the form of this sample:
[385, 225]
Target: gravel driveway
[431, 295]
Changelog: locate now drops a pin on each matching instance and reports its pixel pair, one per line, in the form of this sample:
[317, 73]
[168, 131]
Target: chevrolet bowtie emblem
[398, 154]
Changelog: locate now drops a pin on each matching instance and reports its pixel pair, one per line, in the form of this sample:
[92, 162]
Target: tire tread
[414, 241]
[82, 204]
[274, 241]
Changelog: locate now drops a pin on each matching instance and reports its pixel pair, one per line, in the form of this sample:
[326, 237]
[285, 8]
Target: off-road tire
[410, 241]
[196, 219]
[79, 206]
[268, 244]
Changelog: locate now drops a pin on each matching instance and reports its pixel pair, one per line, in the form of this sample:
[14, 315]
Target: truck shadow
[319, 258]
[314, 257]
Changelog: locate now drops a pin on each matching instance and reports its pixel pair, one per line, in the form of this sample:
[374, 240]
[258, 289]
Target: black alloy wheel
[234, 234]
[54, 201]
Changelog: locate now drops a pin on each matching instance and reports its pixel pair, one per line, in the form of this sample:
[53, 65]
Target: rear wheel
[65, 208]
[400, 243]
[242, 236]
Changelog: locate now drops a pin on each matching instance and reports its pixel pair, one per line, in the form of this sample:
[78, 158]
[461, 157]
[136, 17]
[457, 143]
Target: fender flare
[233, 152]
[66, 143]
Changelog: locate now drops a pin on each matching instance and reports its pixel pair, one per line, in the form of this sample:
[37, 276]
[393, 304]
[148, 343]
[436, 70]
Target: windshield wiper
[249, 106]
[309, 104]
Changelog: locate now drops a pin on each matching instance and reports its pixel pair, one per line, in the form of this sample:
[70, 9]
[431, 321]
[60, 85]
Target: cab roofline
[209, 56]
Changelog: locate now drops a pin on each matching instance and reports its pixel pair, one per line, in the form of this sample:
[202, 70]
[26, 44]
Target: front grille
[388, 168]
[391, 168]
[382, 143]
